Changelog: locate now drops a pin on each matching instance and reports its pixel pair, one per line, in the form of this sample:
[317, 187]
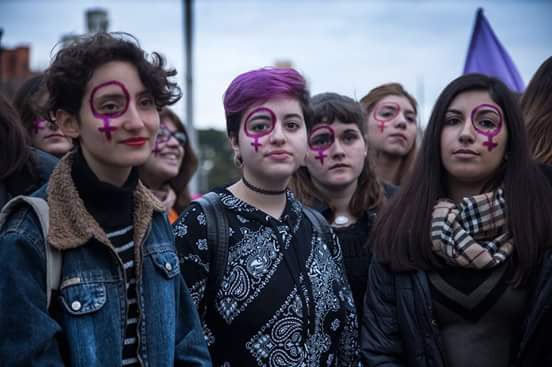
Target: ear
[68, 123]
[233, 140]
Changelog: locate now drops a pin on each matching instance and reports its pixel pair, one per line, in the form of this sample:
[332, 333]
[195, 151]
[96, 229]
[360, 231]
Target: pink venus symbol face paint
[38, 124]
[321, 139]
[258, 123]
[109, 100]
[487, 120]
[385, 112]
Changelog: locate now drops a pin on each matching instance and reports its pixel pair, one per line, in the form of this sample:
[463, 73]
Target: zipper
[139, 292]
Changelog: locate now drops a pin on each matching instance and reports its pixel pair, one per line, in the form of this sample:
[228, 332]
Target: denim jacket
[85, 323]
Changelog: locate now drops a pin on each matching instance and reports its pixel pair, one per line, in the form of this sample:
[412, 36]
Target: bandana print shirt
[284, 299]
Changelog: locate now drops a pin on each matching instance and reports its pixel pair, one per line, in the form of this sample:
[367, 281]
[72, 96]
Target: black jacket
[398, 329]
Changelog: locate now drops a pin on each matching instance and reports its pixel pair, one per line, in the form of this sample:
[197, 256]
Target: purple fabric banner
[487, 56]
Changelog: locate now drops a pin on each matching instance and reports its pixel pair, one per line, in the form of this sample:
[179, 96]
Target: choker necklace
[341, 220]
[262, 191]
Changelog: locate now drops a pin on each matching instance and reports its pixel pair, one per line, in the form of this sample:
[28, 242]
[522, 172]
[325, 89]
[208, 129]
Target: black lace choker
[262, 191]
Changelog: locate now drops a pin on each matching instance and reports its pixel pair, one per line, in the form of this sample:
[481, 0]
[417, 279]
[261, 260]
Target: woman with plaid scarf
[463, 258]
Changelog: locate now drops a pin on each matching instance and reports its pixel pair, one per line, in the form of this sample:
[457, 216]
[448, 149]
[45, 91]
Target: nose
[337, 151]
[133, 118]
[400, 121]
[466, 133]
[277, 136]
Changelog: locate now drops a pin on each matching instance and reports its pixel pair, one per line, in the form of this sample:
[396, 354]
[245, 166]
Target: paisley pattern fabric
[282, 302]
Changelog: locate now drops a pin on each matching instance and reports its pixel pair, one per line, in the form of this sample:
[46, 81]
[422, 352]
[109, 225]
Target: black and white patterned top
[282, 302]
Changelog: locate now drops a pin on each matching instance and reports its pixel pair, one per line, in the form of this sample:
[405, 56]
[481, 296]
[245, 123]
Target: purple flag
[487, 56]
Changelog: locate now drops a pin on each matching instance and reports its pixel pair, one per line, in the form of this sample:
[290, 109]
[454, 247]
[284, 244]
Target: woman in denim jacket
[121, 300]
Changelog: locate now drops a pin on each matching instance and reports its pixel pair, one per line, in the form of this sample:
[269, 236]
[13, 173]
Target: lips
[278, 154]
[465, 152]
[134, 142]
[55, 136]
[339, 165]
[398, 136]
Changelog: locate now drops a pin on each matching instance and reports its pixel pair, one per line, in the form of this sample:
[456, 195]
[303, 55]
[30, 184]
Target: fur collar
[72, 226]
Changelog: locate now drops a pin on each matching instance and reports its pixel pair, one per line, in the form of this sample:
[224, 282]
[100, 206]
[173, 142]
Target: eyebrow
[454, 111]
[290, 115]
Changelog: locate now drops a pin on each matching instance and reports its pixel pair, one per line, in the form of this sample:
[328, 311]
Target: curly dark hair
[74, 65]
[29, 99]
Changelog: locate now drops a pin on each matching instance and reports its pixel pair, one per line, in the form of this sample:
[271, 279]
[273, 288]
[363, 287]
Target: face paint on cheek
[38, 124]
[258, 123]
[384, 113]
[116, 90]
[489, 132]
[320, 140]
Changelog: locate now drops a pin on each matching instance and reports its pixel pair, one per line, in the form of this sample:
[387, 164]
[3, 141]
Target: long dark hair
[402, 232]
[16, 157]
[536, 105]
[328, 107]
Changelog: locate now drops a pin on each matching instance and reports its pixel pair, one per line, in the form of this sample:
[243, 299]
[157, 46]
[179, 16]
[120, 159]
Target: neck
[153, 182]
[273, 205]
[339, 199]
[388, 168]
[457, 191]
[115, 176]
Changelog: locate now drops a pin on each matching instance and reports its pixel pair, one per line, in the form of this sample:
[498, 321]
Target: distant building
[283, 64]
[14, 68]
[97, 20]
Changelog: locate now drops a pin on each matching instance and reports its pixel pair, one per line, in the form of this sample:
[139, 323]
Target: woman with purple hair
[283, 298]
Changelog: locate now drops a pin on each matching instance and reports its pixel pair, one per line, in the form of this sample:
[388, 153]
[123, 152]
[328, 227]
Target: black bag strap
[218, 234]
[319, 224]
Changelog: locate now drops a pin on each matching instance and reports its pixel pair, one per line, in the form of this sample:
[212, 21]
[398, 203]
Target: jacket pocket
[167, 262]
[85, 298]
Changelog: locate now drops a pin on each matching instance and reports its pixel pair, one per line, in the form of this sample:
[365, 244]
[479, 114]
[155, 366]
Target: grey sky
[347, 47]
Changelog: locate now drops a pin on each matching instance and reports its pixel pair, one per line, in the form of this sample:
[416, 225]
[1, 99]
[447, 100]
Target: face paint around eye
[489, 133]
[385, 112]
[259, 124]
[320, 140]
[109, 88]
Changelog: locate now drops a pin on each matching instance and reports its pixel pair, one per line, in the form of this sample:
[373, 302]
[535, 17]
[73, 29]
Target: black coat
[398, 329]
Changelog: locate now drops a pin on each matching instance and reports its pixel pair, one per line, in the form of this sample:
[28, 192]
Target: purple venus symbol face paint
[38, 124]
[385, 112]
[258, 123]
[321, 139]
[487, 120]
[109, 100]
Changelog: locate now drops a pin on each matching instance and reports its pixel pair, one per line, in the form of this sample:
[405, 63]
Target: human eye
[147, 101]
[110, 107]
[292, 125]
[452, 120]
[350, 137]
[411, 119]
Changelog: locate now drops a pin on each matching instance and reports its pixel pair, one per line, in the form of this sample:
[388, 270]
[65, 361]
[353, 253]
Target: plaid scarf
[472, 233]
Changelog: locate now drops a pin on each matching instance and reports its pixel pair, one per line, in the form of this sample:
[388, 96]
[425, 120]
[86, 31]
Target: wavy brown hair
[327, 108]
[370, 101]
[74, 65]
[401, 235]
[179, 183]
[536, 105]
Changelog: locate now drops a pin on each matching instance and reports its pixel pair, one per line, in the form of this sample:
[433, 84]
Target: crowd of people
[348, 239]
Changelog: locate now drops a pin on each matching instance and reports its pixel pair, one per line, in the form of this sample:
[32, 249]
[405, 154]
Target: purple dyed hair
[258, 86]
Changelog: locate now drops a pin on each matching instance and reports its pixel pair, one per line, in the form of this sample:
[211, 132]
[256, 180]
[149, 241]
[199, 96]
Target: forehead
[281, 106]
[121, 71]
[339, 127]
[467, 101]
[402, 101]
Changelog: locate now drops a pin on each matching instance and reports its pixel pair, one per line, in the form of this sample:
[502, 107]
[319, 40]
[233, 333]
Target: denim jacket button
[76, 305]
[168, 266]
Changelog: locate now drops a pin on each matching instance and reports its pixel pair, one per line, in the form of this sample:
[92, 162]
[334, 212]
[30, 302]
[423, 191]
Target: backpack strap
[319, 224]
[53, 255]
[217, 238]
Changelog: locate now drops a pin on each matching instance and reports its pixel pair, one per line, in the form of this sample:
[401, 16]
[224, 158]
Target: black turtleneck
[111, 206]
